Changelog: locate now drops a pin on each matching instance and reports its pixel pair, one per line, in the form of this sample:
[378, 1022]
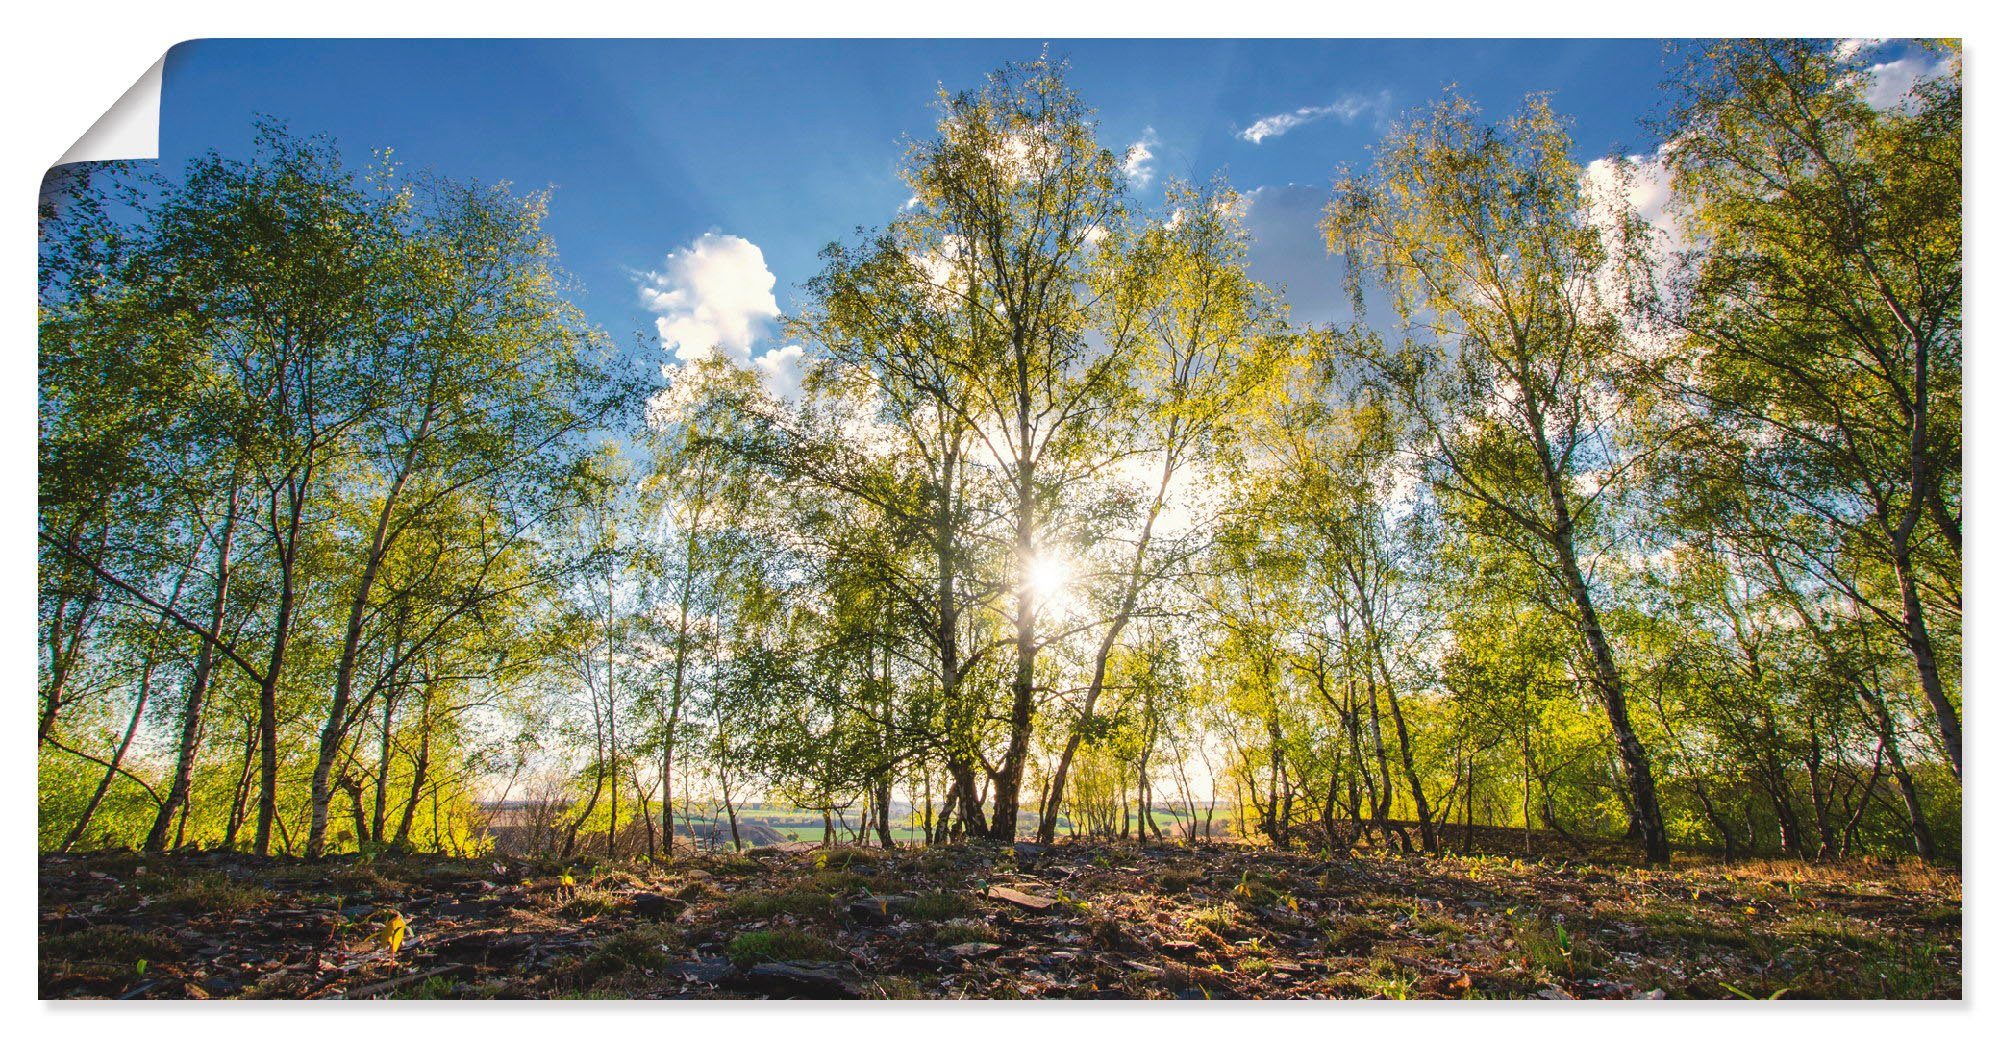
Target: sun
[1047, 577]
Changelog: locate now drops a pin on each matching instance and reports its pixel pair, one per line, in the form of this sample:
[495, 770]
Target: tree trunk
[281, 635]
[1638, 770]
[1021, 709]
[118, 755]
[204, 669]
[240, 805]
[419, 772]
[1916, 633]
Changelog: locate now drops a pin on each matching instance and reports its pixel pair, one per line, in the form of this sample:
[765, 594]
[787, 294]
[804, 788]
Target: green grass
[201, 893]
[781, 945]
[426, 989]
[1552, 947]
[587, 905]
[1439, 926]
[1913, 970]
[1353, 934]
[109, 944]
[1823, 929]
[640, 948]
[937, 905]
[1391, 981]
[800, 904]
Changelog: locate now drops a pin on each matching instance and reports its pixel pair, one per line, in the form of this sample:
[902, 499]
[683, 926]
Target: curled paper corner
[129, 129]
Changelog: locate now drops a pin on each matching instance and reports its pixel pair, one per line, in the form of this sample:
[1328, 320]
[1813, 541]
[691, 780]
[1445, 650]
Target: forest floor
[1077, 920]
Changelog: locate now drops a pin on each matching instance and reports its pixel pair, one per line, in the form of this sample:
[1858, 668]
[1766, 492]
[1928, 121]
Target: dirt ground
[1071, 921]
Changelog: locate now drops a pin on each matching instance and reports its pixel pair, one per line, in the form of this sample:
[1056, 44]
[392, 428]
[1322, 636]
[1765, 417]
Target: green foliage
[641, 948]
[796, 904]
[110, 943]
[779, 945]
[1615, 526]
[937, 905]
[201, 893]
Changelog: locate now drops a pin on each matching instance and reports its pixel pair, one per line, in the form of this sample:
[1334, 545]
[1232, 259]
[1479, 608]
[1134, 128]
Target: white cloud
[713, 297]
[782, 369]
[1017, 152]
[1139, 159]
[940, 265]
[1891, 82]
[1642, 186]
[1646, 188]
[1347, 109]
[1849, 49]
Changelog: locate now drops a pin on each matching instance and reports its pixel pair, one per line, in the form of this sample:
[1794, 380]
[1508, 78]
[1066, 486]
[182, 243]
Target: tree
[1507, 372]
[1012, 192]
[1820, 321]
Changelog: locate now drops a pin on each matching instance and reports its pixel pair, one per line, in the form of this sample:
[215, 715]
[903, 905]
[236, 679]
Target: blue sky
[650, 145]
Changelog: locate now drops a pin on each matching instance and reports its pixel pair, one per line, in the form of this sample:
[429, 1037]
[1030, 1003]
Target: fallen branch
[371, 990]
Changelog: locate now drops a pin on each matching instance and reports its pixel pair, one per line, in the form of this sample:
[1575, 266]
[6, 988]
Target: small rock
[654, 906]
[876, 911]
[971, 950]
[802, 980]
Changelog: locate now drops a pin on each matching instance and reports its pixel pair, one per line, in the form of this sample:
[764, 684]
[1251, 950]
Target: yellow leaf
[394, 929]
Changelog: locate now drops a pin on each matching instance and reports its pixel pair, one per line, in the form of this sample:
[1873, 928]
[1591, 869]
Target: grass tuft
[781, 945]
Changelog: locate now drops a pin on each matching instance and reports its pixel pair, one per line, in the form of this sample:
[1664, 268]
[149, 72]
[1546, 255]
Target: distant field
[807, 826]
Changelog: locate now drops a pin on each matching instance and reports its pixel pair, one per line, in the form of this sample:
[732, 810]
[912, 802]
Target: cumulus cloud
[1347, 108]
[941, 263]
[782, 369]
[713, 296]
[1139, 159]
[1642, 183]
[1890, 83]
[1849, 49]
